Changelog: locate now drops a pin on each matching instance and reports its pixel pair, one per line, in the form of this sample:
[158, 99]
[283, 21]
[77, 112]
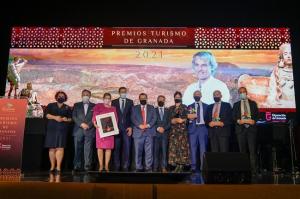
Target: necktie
[143, 115]
[198, 113]
[123, 105]
[161, 114]
[245, 109]
[215, 115]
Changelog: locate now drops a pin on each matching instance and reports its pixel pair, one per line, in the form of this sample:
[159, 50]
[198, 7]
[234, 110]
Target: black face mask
[217, 99]
[161, 103]
[178, 100]
[197, 98]
[143, 102]
[61, 100]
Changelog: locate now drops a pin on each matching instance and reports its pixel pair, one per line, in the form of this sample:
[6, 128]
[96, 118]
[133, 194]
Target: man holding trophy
[219, 120]
[245, 115]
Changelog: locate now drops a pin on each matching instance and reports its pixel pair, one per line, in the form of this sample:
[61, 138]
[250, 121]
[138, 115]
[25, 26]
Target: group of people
[163, 138]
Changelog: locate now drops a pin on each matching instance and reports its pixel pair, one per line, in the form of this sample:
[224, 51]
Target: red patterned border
[10, 175]
[241, 38]
[203, 38]
[54, 37]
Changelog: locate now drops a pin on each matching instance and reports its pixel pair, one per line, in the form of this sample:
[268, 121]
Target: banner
[154, 60]
[12, 123]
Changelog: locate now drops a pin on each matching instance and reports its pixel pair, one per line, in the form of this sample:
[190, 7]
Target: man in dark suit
[143, 118]
[219, 120]
[197, 130]
[83, 132]
[163, 126]
[122, 150]
[245, 115]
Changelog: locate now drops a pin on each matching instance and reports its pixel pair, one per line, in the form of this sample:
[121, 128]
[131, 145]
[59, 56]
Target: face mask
[197, 98]
[178, 100]
[143, 102]
[85, 99]
[217, 99]
[161, 103]
[243, 96]
[106, 101]
[123, 95]
[61, 100]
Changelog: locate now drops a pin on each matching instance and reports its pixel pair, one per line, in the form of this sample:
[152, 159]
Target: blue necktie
[198, 113]
[122, 105]
[161, 114]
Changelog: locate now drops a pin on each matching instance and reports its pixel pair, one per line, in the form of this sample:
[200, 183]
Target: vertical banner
[12, 124]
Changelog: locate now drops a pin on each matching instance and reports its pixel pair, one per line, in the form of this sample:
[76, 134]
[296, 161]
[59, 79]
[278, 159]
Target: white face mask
[123, 95]
[85, 99]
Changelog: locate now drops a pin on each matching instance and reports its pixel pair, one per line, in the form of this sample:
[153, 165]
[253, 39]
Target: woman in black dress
[59, 117]
[179, 154]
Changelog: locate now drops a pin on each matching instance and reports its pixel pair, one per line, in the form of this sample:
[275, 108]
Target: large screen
[156, 61]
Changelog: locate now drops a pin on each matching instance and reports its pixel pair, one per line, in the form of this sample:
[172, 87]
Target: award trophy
[246, 117]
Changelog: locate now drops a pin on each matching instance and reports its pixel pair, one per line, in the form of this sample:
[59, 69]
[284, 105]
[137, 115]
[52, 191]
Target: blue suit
[122, 150]
[143, 139]
[198, 137]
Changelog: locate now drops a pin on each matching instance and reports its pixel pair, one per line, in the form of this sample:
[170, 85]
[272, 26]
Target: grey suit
[83, 139]
[143, 139]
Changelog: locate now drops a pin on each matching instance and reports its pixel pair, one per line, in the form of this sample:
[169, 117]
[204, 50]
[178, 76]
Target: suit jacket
[236, 113]
[124, 120]
[136, 118]
[79, 117]
[165, 122]
[225, 116]
[192, 125]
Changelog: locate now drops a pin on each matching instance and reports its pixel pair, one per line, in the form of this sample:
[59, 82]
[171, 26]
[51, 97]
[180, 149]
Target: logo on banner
[276, 117]
[8, 107]
[5, 147]
[268, 116]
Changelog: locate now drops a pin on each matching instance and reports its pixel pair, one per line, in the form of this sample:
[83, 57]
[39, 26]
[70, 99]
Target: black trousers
[246, 138]
[218, 142]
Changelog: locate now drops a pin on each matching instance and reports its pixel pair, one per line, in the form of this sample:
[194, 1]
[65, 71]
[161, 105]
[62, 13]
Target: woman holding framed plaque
[105, 121]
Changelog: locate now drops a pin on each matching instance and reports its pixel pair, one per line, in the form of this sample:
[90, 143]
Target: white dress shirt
[85, 106]
[161, 109]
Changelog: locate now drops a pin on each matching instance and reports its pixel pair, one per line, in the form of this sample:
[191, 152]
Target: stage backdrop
[155, 60]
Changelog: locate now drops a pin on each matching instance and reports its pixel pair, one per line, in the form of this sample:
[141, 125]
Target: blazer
[79, 117]
[225, 116]
[124, 118]
[136, 119]
[192, 125]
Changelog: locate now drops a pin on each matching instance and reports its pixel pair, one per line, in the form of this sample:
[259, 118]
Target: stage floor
[153, 178]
